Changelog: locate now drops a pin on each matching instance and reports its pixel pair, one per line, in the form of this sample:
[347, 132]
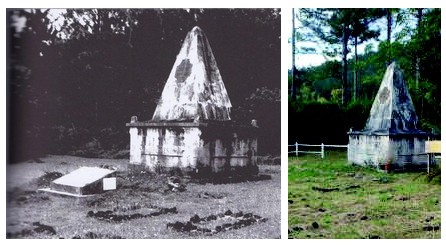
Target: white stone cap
[83, 176]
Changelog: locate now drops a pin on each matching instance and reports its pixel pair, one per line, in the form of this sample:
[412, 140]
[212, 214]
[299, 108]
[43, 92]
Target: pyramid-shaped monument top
[194, 89]
[392, 110]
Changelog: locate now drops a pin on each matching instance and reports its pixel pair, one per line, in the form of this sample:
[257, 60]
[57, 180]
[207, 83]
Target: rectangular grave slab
[83, 181]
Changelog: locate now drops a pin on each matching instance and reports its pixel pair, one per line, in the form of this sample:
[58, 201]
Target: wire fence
[295, 149]
[432, 148]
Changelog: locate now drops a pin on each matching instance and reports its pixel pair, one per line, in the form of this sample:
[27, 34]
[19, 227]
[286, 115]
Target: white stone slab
[109, 183]
[83, 176]
[63, 193]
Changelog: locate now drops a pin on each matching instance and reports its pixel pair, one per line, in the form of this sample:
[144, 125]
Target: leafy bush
[328, 123]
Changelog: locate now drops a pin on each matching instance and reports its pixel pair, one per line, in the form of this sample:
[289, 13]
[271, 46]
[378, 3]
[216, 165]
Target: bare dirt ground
[143, 206]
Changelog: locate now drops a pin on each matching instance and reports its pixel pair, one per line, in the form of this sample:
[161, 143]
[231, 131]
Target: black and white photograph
[143, 123]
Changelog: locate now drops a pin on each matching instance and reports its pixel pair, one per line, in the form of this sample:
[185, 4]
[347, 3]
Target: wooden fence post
[297, 149]
[428, 161]
[322, 150]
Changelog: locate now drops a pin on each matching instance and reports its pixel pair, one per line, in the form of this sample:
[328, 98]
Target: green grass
[366, 204]
[68, 215]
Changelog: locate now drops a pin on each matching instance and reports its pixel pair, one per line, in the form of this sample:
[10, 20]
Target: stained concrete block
[83, 181]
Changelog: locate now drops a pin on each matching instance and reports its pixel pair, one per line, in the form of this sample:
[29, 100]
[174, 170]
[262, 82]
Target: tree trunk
[345, 87]
[355, 77]
[293, 67]
[389, 35]
[417, 58]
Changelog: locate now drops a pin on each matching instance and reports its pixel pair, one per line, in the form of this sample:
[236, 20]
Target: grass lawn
[328, 198]
[143, 197]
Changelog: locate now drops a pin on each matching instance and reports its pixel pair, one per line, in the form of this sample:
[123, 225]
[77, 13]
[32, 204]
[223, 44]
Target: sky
[308, 60]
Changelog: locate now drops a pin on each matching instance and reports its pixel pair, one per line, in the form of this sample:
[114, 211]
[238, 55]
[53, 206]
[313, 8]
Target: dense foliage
[75, 80]
[317, 113]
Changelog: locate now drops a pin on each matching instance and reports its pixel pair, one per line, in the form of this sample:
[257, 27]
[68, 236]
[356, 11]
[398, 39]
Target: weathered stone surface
[392, 110]
[194, 89]
[191, 128]
[206, 145]
[390, 136]
[398, 150]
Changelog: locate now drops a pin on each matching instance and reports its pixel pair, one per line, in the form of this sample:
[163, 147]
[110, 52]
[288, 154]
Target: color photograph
[364, 123]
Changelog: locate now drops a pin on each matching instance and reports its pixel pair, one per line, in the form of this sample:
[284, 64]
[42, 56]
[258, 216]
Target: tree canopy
[415, 46]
